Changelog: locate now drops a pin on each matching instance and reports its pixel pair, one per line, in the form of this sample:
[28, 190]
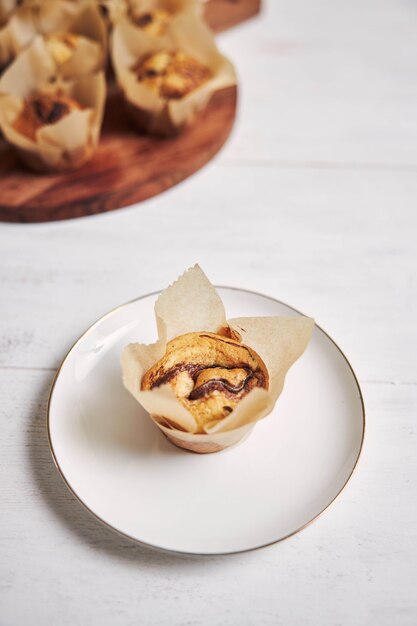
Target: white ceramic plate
[119, 465]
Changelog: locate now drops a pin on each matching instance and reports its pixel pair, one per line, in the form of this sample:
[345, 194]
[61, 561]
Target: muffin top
[171, 75]
[209, 374]
[42, 109]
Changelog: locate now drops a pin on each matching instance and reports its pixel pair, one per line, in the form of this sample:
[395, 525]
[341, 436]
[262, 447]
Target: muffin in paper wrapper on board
[187, 34]
[191, 305]
[67, 143]
[58, 18]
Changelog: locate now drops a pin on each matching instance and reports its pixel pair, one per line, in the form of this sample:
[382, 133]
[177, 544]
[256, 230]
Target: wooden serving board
[127, 167]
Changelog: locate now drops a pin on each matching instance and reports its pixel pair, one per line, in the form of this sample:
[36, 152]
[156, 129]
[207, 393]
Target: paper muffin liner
[83, 18]
[6, 9]
[71, 141]
[192, 304]
[186, 33]
[109, 9]
[6, 53]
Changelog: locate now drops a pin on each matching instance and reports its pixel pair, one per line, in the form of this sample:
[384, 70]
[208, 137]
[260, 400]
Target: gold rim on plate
[179, 552]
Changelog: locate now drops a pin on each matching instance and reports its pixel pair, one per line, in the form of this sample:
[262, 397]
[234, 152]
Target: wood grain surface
[127, 168]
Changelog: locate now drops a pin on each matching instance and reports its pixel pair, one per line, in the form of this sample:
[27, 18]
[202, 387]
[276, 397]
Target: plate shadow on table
[115, 421]
[70, 512]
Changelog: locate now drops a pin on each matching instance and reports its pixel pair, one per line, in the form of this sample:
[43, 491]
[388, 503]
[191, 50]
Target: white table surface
[313, 201]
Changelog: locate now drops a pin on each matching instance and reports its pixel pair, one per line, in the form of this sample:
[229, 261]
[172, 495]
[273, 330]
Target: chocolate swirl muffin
[42, 109]
[209, 374]
[171, 75]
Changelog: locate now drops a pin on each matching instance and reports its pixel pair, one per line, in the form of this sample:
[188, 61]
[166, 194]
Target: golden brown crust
[228, 331]
[42, 109]
[171, 75]
[209, 373]
[61, 46]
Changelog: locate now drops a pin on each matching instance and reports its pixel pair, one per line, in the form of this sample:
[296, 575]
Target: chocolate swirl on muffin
[43, 109]
[171, 75]
[209, 374]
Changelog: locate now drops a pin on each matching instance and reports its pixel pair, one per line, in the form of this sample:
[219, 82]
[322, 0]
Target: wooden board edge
[221, 15]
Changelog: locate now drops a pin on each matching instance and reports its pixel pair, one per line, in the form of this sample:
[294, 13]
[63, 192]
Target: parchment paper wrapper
[186, 33]
[82, 18]
[192, 304]
[68, 143]
[6, 9]
[6, 53]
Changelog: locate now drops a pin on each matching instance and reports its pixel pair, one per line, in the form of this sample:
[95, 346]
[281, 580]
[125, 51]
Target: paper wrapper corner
[187, 33]
[192, 304]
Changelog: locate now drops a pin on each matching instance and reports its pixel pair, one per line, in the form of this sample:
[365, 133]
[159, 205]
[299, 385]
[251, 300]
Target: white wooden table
[313, 201]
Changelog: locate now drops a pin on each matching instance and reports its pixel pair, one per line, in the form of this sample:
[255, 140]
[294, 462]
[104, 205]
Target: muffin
[70, 29]
[171, 75]
[208, 380]
[209, 374]
[168, 81]
[53, 124]
[42, 109]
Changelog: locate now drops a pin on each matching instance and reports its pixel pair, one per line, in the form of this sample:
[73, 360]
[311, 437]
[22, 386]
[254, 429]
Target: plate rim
[192, 553]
